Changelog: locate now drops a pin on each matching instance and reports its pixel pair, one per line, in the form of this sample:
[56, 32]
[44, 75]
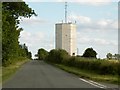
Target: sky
[97, 25]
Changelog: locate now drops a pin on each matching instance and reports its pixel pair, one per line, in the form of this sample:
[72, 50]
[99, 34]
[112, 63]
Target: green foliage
[90, 75]
[24, 51]
[0, 34]
[109, 56]
[11, 12]
[11, 69]
[117, 56]
[90, 53]
[29, 55]
[57, 56]
[99, 66]
[42, 54]
[0, 23]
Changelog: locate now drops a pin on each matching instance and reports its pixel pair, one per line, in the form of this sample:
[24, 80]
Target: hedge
[99, 66]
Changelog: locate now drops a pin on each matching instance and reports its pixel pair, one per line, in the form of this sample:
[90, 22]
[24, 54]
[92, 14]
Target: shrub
[42, 54]
[91, 64]
[57, 55]
[98, 66]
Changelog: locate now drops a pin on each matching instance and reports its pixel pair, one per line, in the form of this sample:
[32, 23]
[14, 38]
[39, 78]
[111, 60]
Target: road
[38, 74]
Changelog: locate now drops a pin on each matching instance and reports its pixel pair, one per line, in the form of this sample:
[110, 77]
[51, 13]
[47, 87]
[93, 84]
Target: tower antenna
[65, 12]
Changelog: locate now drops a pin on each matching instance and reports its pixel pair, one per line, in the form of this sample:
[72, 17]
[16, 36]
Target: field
[93, 68]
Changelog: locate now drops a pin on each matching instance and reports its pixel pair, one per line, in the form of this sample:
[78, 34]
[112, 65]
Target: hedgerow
[99, 66]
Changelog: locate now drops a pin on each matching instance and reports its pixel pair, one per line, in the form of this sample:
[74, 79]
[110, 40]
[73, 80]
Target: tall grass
[102, 67]
[99, 66]
[8, 71]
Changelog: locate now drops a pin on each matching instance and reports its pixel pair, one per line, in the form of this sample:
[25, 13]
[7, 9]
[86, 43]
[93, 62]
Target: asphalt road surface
[38, 74]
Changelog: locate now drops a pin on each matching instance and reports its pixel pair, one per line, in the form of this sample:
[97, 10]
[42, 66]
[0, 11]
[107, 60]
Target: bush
[91, 64]
[42, 54]
[71, 61]
[108, 67]
[102, 67]
[57, 56]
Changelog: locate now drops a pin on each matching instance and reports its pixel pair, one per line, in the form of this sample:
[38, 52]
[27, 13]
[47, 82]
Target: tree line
[11, 14]
[88, 53]
[87, 61]
[111, 56]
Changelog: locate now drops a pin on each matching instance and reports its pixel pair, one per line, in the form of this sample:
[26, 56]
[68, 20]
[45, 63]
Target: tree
[117, 56]
[29, 55]
[24, 51]
[42, 54]
[11, 12]
[90, 53]
[109, 56]
[57, 55]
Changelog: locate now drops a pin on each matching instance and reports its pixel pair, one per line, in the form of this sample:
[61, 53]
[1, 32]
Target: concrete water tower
[65, 35]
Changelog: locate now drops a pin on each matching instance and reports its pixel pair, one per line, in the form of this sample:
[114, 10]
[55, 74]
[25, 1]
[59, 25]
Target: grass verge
[113, 79]
[8, 71]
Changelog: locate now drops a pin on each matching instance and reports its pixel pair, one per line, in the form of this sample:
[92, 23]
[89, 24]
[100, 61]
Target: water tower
[65, 35]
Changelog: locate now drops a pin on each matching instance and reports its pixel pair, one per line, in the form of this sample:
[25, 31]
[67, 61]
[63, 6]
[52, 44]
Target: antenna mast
[65, 12]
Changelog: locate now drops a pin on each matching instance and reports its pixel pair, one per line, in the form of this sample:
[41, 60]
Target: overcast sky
[97, 25]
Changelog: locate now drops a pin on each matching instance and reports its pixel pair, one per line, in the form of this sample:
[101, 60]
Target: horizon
[97, 26]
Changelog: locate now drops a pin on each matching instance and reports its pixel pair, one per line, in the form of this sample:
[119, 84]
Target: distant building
[65, 34]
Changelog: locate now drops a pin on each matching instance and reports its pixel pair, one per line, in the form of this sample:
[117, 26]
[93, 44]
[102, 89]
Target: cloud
[86, 22]
[91, 1]
[33, 0]
[101, 34]
[95, 2]
[36, 40]
[108, 24]
[83, 39]
[102, 42]
[88, 2]
[33, 20]
[79, 18]
[31, 38]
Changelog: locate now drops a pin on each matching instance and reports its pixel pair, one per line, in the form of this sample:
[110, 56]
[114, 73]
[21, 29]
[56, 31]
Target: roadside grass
[0, 74]
[86, 74]
[8, 71]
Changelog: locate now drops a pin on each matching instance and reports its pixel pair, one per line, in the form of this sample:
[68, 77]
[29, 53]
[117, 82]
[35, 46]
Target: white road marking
[93, 83]
[98, 83]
